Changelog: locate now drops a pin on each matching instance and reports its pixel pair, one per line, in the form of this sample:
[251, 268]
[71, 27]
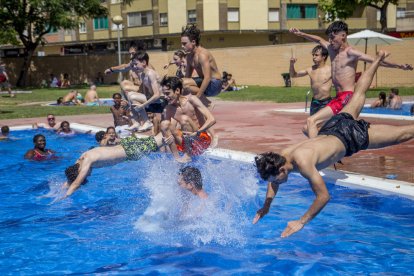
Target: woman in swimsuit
[65, 130]
[39, 153]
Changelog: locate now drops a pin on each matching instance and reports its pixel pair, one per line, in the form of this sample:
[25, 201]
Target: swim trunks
[317, 105]
[352, 133]
[341, 99]
[157, 106]
[195, 145]
[136, 148]
[213, 88]
[92, 104]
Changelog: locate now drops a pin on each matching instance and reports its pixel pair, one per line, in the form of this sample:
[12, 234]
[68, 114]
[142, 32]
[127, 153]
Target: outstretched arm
[271, 192]
[209, 118]
[367, 58]
[85, 166]
[313, 38]
[292, 71]
[119, 68]
[322, 198]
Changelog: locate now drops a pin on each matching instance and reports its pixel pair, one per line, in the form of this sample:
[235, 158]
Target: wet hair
[324, 51]
[192, 32]
[268, 164]
[172, 83]
[383, 97]
[116, 95]
[395, 90]
[72, 172]
[5, 129]
[180, 53]
[37, 136]
[64, 122]
[336, 27]
[192, 175]
[141, 56]
[99, 136]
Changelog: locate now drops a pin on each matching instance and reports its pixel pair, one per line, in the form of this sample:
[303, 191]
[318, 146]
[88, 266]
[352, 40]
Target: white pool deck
[342, 178]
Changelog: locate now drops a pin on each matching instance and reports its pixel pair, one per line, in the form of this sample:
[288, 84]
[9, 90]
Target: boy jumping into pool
[341, 136]
[131, 148]
[344, 60]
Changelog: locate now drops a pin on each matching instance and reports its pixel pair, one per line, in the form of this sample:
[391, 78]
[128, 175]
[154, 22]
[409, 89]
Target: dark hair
[141, 56]
[5, 129]
[383, 96]
[268, 164]
[108, 128]
[412, 110]
[59, 100]
[72, 172]
[395, 90]
[180, 53]
[324, 51]
[192, 175]
[99, 136]
[139, 45]
[336, 27]
[172, 83]
[116, 94]
[192, 32]
[37, 136]
[64, 122]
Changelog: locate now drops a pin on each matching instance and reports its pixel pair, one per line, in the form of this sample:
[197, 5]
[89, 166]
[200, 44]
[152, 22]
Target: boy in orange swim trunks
[344, 60]
[192, 137]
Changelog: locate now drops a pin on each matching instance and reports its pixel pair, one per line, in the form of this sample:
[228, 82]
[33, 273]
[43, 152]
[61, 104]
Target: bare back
[194, 63]
[91, 96]
[321, 81]
[343, 69]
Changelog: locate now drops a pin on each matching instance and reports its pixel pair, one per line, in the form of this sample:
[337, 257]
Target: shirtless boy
[91, 97]
[120, 114]
[320, 78]
[192, 138]
[340, 136]
[202, 61]
[344, 60]
[189, 178]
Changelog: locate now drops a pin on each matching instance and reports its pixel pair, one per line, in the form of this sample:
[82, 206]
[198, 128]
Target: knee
[125, 84]
[305, 130]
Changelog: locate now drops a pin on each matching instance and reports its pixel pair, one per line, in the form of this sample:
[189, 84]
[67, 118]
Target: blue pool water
[103, 102]
[404, 111]
[133, 218]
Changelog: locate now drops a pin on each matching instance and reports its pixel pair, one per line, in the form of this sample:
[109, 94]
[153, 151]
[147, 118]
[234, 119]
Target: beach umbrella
[366, 37]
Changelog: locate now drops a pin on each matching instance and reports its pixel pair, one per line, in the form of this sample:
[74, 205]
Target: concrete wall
[249, 65]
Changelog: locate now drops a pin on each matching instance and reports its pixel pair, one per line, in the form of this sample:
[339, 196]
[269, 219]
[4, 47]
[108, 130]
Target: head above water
[268, 164]
[192, 175]
[99, 136]
[5, 130]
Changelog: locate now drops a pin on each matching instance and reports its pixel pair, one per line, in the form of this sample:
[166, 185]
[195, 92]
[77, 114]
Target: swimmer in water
[189, 178]
[39, 153]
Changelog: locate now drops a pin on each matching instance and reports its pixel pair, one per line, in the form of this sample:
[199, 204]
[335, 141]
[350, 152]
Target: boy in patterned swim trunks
[341, 136]
[344, 60]
[131, 148]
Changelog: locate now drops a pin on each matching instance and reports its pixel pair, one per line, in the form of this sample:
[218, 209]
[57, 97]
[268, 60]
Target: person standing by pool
[39, 153]
[320, 78]
[131, 148]
[120, 113]
[340, 136]
[4, 80]
[344, 60]
[192, 138]
[91, 97]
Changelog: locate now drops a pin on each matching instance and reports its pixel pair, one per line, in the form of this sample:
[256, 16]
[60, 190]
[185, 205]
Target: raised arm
[322, 197]
[292, 71]
[313, 38]
[271, 192]
[385, 63]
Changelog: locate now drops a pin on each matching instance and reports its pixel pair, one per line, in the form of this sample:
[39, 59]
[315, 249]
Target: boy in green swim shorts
[131, 148]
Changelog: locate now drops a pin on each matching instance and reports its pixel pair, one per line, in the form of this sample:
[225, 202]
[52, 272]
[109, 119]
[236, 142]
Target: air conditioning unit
[110, 46]
[157, 42]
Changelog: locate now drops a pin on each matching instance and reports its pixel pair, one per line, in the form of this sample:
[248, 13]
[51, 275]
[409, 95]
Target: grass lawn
[30, 105]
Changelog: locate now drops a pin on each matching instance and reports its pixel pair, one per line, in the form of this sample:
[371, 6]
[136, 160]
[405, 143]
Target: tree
[27, 21]
[345, 8]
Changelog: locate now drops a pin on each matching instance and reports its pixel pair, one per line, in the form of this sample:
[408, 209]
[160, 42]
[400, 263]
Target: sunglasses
[50, 119]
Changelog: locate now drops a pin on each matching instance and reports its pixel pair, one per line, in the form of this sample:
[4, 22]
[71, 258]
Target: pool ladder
[306, 101]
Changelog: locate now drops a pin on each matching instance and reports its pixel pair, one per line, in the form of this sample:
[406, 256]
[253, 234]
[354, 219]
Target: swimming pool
[129, 219]
[404, 111]
[103, 102]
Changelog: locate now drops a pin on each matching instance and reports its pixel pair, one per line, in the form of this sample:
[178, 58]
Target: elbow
[325, 198]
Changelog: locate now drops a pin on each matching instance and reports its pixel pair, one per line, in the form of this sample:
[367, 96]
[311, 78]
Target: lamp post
[117, 20]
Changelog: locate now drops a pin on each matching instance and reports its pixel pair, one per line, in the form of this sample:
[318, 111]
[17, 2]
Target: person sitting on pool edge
[189, 178]
[39, 153]
[131, 148]
[340, 136]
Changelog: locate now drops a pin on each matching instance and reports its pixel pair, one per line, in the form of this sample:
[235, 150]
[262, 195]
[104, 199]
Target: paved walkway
[257, 127]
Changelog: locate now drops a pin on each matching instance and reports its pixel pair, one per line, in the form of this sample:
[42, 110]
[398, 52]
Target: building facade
[224, 23]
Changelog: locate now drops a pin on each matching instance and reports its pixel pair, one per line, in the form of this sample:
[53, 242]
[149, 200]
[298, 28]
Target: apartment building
[224, 23]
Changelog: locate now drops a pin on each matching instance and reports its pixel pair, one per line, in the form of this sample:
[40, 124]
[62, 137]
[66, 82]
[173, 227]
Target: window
[163, 19]
[192, 16]
[233, 15]
[273, 15]
[295, 11]
[400, 12]
[100, 23]
[137, 19]
[82, 27]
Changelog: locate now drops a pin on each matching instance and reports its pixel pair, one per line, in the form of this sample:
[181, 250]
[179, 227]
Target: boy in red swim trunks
[344, 60]
[192, 137]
